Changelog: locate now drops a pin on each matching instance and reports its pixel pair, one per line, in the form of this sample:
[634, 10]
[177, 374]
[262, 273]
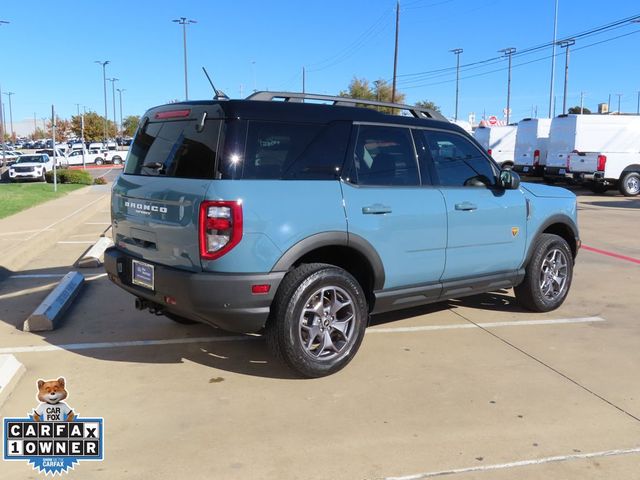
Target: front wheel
[319, 317]
[630, 184]
[99, 161]
[548, 275]
[117, 160]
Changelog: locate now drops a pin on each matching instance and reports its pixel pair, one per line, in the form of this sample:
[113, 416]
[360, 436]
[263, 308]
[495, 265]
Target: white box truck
[599, 150]
[532, 143]
[499, 142]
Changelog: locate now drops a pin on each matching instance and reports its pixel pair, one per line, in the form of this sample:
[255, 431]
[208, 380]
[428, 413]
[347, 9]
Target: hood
[547, 191]
[28, 164]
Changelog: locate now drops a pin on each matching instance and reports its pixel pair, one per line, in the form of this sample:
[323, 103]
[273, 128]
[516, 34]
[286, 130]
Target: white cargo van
[499, 142]
[532, 143]
[598, 150]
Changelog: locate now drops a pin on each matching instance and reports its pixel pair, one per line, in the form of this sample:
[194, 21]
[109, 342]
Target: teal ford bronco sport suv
[299, 219]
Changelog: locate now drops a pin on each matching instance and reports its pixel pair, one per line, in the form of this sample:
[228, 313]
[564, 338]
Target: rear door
[387, 205]
[486, 224]
[155, 201]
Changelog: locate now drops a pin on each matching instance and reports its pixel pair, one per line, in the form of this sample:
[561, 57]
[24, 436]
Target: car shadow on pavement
[633, 203]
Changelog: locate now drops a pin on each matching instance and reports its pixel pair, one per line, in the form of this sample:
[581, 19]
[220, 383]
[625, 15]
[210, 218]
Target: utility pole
[457, 52]
[581, 103]
[638, 107]
[609, 104]
[553, 62]
[120, 90]
[395, 55]
[11, 133]
[304, 80]
[184, 22]
[509, 53]
[35, 126]
[113, 97]
[619, 98]
[53, 142]
[255, 82]
[104, 84]
[566, 44]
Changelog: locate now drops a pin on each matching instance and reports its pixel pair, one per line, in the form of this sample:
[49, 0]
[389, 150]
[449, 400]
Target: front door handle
[376, 209]
[466, 206]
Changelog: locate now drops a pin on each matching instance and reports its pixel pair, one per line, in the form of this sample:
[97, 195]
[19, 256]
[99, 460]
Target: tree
[39, 134]
[93, 126]
[428, 104]
[63, 129]
[130, 125]
[381, 91]
[576, 110]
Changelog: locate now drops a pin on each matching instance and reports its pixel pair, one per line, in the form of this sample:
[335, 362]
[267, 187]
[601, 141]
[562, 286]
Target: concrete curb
[11, 370]
[50, 311]
[91, 259]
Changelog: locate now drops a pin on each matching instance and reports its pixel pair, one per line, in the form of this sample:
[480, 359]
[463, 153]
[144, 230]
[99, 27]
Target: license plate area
[563, 171]
[142, 274]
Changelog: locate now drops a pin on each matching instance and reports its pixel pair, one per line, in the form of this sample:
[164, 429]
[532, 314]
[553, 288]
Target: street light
[184, 21]
[509, 53]
[2, 125]
[566, 44]
[457, 52]
[120, 90]
[104, 84]
[619, 97]
[113, 96]
[8, 94]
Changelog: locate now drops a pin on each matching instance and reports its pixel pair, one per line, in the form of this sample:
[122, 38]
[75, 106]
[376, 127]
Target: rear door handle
[376, 209]
[466, 206]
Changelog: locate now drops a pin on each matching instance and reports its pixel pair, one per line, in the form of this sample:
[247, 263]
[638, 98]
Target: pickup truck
[94, 157]
[601, 170]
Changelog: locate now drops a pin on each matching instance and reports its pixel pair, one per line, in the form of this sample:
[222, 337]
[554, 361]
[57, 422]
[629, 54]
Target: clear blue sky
[49, 48]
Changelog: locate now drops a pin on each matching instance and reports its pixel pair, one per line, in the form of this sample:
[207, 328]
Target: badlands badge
[53, 438]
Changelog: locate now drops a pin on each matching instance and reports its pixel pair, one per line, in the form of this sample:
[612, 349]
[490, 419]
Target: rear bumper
[220, 299]
[597, 177]
[529, 170]
[555, 172]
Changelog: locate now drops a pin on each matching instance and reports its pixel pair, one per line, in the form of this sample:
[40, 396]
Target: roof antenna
[219, 94]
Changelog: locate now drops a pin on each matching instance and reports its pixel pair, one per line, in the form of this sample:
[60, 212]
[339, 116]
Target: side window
[458, 162]
[385, 156]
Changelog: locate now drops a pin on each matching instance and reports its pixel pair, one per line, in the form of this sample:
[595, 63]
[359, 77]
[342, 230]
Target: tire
[298, 332]
[629, 184]
[598, 187]
[117, 160]
[507, 166]
[540, 292]
[99, 161]
[179, 319]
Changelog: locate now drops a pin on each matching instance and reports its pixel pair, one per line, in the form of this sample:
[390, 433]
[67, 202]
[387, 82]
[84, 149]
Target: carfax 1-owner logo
[53, 438]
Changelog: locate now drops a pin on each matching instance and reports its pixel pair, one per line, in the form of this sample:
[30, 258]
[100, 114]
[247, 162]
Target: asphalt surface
[476, 388]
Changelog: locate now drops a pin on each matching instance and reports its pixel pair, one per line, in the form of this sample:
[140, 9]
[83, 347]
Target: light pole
[253, 68]
[638, 107]
[553, 62]
[566, 44]
[581, 103]
[509, 53]
[120, 90]
[457, 52]
[113, 96]
[104, 84]
[8, 94]
[184, 21]
[2, 132]
[619, 98]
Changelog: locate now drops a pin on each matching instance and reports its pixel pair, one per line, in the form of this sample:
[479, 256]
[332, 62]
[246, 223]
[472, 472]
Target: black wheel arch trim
[336, 238]
[553, 220]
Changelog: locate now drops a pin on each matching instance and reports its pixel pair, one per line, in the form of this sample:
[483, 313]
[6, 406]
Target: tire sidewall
[544, 246]
[292, 346]
[623, 184]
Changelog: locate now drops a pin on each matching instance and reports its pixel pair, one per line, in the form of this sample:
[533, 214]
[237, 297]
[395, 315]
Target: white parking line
[97, 223]
[516, 323]
[240, 338]
[27, 291]
[53, 275]
[22, 232]
[521, 463]
[74, 242]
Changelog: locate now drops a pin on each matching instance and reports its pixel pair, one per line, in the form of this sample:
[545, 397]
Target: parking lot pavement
[470, 388]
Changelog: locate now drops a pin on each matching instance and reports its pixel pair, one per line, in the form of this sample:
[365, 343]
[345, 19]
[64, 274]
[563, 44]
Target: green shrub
[81, 177]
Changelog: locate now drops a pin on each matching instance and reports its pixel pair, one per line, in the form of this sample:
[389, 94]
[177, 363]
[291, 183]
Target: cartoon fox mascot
[52, 408]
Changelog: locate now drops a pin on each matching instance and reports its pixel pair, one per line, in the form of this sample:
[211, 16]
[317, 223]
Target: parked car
[60, 156]
[499, 142]
[532, 144]
[7, 157]
[606, 152]
[301, 220]
[30, 167]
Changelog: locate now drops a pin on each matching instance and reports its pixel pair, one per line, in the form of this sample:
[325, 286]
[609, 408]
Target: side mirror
[509, 180]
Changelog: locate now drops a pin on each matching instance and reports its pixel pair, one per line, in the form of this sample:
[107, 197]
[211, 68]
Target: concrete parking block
[92, 259]
[10, 372]
[50, 311]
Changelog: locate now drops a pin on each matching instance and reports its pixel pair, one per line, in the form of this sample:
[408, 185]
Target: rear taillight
[602, 162]
[489, 151]
[173, 114]
[536, 158]
[220, 227]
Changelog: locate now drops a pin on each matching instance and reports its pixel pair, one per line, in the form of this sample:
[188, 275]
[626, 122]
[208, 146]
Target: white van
[499, 142]
[532, 143]
[605, 153]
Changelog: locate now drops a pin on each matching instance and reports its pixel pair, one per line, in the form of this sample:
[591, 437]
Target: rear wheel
[117, 160]
[319, 317]
[548, 275]
[630, 184]
[99, 161]
[598, 187]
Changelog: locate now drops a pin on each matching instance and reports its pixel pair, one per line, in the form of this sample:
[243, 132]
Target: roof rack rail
[417, 112]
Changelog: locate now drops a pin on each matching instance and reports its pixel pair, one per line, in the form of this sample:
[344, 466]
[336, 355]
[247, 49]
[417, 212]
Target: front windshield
[31, 159]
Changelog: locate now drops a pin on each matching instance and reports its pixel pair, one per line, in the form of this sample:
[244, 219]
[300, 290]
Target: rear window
[175, 149]
[258, 150]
